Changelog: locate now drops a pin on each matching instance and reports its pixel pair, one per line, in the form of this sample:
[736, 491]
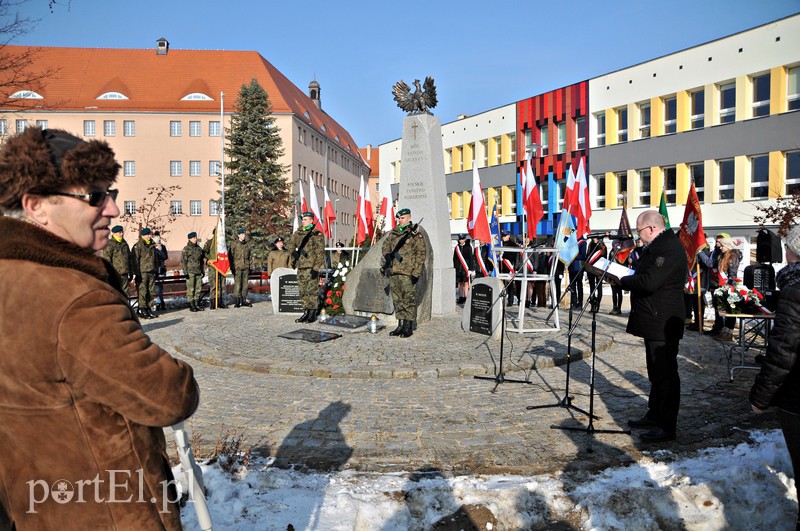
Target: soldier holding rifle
[403, 257]
[308, 257]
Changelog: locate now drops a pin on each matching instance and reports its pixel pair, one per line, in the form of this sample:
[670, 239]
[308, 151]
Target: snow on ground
[749, 487]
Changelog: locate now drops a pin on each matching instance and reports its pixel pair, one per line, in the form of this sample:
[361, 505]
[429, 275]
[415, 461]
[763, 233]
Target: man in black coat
[657, 315]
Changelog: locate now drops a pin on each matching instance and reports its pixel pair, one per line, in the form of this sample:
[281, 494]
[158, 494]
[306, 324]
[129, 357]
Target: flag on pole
[314, 208]
[303, 204]
[624, 246]
[387, 205]
[691, 234]
[219, 260]
[565, 239]
[662, 208]
[296, 222]
[329, 214]
[362, 225]
[370, 213]
[477, 223]
[583, 209]
[533, 203]
[569, 191]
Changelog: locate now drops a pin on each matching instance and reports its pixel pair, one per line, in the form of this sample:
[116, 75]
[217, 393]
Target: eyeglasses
[95, 199]
[638, 230]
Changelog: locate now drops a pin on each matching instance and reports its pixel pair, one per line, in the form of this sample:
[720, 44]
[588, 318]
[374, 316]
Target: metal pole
[222, 144]
[335, 221]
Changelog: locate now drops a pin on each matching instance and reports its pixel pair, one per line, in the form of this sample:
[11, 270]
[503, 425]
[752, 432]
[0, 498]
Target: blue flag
[565, 239]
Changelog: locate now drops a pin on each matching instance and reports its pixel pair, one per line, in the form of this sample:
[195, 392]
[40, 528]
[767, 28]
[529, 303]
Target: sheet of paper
[614, 268]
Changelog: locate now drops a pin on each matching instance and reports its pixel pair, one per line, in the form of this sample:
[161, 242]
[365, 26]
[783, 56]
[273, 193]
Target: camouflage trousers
[194, 285]
[404, 297]
[147, 289]
[309, 289]
[240, 285]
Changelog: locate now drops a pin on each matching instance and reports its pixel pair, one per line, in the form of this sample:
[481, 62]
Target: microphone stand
[499, 376]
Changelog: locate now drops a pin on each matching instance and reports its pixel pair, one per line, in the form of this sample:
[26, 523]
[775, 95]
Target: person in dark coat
[463, 263]
[575, 271]
[657, 315]
[508, 265]
[597, 249]
[483, 262]
[778, 383]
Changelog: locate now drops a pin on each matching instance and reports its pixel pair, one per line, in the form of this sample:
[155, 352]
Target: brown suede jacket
[83, 394]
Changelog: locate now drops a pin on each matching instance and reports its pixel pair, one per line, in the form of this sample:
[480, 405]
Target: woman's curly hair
[40, 161]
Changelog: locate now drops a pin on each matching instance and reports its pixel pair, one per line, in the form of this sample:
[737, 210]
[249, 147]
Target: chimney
[314, 93]
[163, 46]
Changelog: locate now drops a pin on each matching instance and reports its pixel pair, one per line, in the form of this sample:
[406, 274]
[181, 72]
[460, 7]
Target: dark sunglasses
[95, 199]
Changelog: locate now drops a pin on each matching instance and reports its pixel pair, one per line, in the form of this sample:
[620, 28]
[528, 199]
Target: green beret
[191, 235]
[307, 215]
[145, 231]
[403, 212]
[117, 228]
[241, 231]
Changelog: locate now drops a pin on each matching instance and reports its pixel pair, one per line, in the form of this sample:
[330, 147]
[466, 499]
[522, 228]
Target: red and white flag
[363, 225]
[580, 199]
[691, 234]
[329, 214]
[569, 192]
[303, 204]
[219, 260]
[370, 213]
[314, 207]
[478, 223]
[296, 222]
[387, 205]
[533, 202]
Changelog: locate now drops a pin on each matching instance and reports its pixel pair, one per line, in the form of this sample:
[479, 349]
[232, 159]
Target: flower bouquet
[333, 297]
[738, 298]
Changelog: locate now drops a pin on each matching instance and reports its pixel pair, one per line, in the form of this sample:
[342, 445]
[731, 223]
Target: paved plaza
[380, 403]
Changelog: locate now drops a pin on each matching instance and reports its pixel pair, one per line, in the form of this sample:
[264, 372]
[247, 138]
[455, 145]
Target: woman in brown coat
[84, 393]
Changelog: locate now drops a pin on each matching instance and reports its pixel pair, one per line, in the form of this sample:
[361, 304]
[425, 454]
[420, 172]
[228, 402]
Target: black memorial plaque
[480, 311]
[289, 295]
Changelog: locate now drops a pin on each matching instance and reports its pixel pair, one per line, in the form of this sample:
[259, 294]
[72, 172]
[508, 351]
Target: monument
[285, 291]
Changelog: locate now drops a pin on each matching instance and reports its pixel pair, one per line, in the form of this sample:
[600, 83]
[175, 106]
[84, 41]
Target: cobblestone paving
[380, 403]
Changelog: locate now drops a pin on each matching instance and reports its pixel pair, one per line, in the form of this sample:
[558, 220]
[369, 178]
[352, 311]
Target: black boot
[142, 314]
[238, 302]
[246, 302]
[408, 329]
[396, 331]
[192, 306]
[222, 305]
[312, 316]
[212, 305]
[152, 314]
[302, 318]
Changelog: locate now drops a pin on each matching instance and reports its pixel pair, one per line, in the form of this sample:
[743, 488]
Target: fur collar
[28, 242]
[789, 276]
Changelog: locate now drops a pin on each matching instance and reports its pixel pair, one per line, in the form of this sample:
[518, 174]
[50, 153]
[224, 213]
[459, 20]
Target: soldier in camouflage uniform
[144, 271]
[405, 264]
[119, 254]
[308, 257]
[240, 257]
[192, 263]
[214, 276]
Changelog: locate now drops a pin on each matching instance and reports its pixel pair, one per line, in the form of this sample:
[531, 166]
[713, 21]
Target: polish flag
[581, 199]
[363, 225]
[387, 205]
[532, 203]
[478, 223]
[219, 258]
[303, 204]
[314, 208]
[329, 214]
[569, 191]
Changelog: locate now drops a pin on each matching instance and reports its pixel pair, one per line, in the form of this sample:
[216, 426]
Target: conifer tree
[257, 196]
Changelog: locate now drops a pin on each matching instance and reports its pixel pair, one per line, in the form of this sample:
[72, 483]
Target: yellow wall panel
[469, 156]
[457, 160]
[682, 178]
[712, 104]
[741, 183]
[611, 190]
[777, 174]
[710, 181]
[634, 121]
[634, 188]
[777, 90]
[744, 98]
[612, 129]
[684, 111]
[656, 117]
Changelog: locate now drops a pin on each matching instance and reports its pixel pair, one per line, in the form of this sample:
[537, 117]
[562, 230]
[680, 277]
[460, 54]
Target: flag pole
[700, 312]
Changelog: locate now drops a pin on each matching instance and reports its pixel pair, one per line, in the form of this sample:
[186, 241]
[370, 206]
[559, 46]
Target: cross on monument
[414, 127]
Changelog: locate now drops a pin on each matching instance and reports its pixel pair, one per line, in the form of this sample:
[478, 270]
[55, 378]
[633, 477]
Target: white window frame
[498, 146]
[580, 136]
[622, 124]
[129, 128]
[512, 143]
[644, 125]
[760, 107]
[645, 177]
[129, 207]
[561, 130]
[129, 168]
[671, 193]
[793, 88]
[792, 183]
[622, 187]
[175, 128]
[195, 168]
[600, 191]
[89, 128]
[214, 168]
[175, 168]
[544, 137]
[726, 187]
[670, 123]
[727, 114]
[176, 207]
[485, 153]
[213, 207]
[698, 119]
[700, 189]
[109, 128]
[214, 128]
[3, 126]
[754, 184]
[600, 121]
[195, 207]
[195, 128]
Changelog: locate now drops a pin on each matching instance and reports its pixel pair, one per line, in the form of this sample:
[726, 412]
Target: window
[727, 174]
[644, 120]
[195, 169]
[622, 188]
[213, 207]
[215, 168]
[644, 187]
[176, 207]
[88, 128]
[601, 128]
[21, 125]
[670, 184]
[761, 95]
[759, 176]
[175, 168]
[484, 153]
[622, 124]
[129, 168]
[698, 108]
[562, 137]
[697, 173]
[213, 128]
[792, 172]
[580, 133]
[448, 161]
[670, 114]
[600, 186]
[26, 95]
[793, 89]
[174, 128]
[130, 208]
[512, 141]
[727, 103]
[194, 128]
[195, 208]
[197, 96]
[545, 136]
[112, 96]
[129, 128]
[109, 128]
[3, 126]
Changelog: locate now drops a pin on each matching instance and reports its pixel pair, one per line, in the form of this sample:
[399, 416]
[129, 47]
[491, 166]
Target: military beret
[145, 231]
[339, 244]
[307, 215]
[403, 212]
[505, 233]
[117, 228]
[278, 239]
[241, 230]
[191, 235]
[462, 236]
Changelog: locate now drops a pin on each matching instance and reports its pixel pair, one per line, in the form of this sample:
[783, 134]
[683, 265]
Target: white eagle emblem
[691, 223]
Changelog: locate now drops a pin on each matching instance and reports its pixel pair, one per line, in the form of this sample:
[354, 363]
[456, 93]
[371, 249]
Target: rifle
[389, 258]
[301, 250]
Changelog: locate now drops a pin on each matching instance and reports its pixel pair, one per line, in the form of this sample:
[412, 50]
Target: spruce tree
[257, 196]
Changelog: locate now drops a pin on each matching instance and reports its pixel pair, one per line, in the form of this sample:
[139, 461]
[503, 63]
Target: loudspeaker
[768, 247]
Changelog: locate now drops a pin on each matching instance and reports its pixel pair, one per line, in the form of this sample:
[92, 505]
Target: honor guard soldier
[403, 257]
[192, 263]
[119, 254]
[308, 257]
[145, 266]
[278, 257]
[240, 256]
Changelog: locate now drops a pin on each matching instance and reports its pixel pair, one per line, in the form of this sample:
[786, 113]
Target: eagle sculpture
[418, 102]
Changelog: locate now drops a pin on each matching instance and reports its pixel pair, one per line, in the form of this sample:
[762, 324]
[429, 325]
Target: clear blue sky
[482, 54]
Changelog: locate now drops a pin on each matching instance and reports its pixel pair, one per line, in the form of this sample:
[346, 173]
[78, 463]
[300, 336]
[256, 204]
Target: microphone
[610, 236]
